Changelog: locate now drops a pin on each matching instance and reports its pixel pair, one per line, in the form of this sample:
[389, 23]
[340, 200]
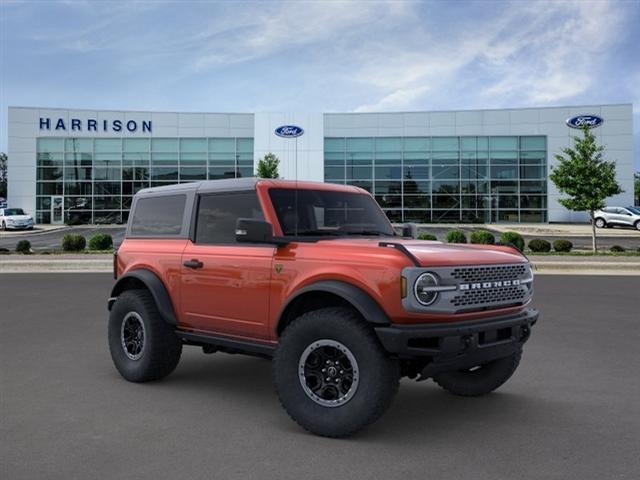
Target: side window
[158, 216]
[218, 213]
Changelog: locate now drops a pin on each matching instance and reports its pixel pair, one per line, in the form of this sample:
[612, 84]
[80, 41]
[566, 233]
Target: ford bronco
[314, 276]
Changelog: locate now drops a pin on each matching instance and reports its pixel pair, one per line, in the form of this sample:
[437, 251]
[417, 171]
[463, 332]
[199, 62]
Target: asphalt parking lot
[570, 412]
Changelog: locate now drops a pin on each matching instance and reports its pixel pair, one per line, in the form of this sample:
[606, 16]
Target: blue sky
[318, 56]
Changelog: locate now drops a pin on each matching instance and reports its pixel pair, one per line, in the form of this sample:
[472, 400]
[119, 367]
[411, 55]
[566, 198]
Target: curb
[56, 265]
[101, 265]
[586, 268]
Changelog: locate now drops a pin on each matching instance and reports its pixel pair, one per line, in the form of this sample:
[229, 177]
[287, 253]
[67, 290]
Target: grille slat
[489, 273]
[492, 295]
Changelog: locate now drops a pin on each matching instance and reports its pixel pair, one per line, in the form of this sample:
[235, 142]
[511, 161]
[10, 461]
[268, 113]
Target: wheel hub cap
[328, 373]
[132, 335]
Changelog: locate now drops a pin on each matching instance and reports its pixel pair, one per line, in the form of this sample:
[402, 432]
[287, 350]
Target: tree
[636, 187]
[585, 177]
[268, 166]
[3, 174]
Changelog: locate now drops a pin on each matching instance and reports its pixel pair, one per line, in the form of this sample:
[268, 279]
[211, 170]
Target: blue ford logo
[289, 131]
[581, 121]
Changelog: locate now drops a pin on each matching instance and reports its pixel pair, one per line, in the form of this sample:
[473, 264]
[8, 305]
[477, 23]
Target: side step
[228, 344]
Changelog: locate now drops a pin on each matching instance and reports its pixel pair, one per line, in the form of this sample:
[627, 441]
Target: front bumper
[455, 346]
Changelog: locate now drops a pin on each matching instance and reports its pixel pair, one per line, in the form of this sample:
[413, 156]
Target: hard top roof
[238, 184]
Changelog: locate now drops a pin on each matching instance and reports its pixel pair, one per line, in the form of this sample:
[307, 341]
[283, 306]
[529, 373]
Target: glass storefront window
[188, 145]
[167, 145]
[359, 144]
[222, 145]
[465, 178]
[334, 145]
[503, 143]
[388, 144]
[108, 145]
[417, 144]
[136, 145]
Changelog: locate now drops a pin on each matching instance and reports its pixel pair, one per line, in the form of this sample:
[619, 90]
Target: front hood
[429, 253]
[18, 218]
[447, 254]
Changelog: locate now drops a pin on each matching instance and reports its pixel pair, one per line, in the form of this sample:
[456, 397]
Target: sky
[318, 55]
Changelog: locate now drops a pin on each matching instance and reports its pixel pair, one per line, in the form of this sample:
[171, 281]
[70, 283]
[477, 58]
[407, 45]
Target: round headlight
[422, 288]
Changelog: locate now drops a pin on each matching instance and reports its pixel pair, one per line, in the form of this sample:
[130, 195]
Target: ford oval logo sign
[581, 121]
[289, 131]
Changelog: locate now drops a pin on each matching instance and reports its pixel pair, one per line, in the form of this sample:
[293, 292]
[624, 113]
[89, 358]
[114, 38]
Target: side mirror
[249, 230]
[410, 230]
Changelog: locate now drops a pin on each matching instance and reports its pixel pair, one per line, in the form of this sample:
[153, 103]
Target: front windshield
[635, 210]
[328, 213]
[13, 211]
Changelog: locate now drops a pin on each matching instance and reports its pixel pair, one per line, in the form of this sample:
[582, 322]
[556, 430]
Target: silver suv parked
[618, 216]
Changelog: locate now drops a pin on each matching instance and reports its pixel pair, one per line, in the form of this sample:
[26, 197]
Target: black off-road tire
[479, 381]
[378, 379]
[162, 348]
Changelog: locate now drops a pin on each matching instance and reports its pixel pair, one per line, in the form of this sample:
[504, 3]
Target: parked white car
[15, 218]
[618, 217]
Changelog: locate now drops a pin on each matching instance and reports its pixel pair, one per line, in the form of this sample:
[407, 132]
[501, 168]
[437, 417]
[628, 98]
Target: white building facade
[84, 166]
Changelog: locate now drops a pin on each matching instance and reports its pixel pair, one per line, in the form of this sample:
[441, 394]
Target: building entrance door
[57, 209]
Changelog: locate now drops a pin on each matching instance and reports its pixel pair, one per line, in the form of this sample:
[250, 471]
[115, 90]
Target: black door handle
[193, 263]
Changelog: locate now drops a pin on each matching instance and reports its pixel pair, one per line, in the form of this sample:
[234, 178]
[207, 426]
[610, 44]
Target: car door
[225, 285]
[626, 218]
[618, 216]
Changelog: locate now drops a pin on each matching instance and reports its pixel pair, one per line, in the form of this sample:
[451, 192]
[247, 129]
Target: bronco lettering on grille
[480, 286]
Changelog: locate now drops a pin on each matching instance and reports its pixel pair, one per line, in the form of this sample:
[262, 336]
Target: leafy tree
[585, 177]
[3, 174]
[636, 187]
[268, 166]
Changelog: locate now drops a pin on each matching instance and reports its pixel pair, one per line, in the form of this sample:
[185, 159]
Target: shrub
[539, 245]
[562, 245]
[484, 237]
[101, 241]
[618, 249]
[513, 238]
[456, 236]
[4, 251]
[72, 242]
[23, 246]
[427, 236]
[73, 221]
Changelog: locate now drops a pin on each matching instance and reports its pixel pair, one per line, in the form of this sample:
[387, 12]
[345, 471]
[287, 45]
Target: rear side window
[218, 213]
[158, 216]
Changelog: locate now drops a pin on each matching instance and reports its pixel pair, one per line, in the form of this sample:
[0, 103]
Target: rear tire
[480, 380]
[600, 223]
[142, 345]
[315, 398]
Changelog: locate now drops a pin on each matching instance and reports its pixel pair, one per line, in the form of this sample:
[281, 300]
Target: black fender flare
[370, 310]
[154, 284]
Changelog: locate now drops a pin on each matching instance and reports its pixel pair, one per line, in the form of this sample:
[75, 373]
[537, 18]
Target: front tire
[637, 225]
[600, 223]
[143, 347]
[479, 380]
[331, 373]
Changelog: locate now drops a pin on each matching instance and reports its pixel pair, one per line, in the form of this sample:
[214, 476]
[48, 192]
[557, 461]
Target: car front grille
[489, 273]
[500, 295]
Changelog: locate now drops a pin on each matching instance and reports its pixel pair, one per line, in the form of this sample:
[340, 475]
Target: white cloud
[531, 53]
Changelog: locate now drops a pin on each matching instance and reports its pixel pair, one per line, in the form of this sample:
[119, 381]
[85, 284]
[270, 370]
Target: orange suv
[313, 275]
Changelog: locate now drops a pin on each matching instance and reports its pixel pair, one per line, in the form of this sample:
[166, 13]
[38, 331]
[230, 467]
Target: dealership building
[423, 167]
